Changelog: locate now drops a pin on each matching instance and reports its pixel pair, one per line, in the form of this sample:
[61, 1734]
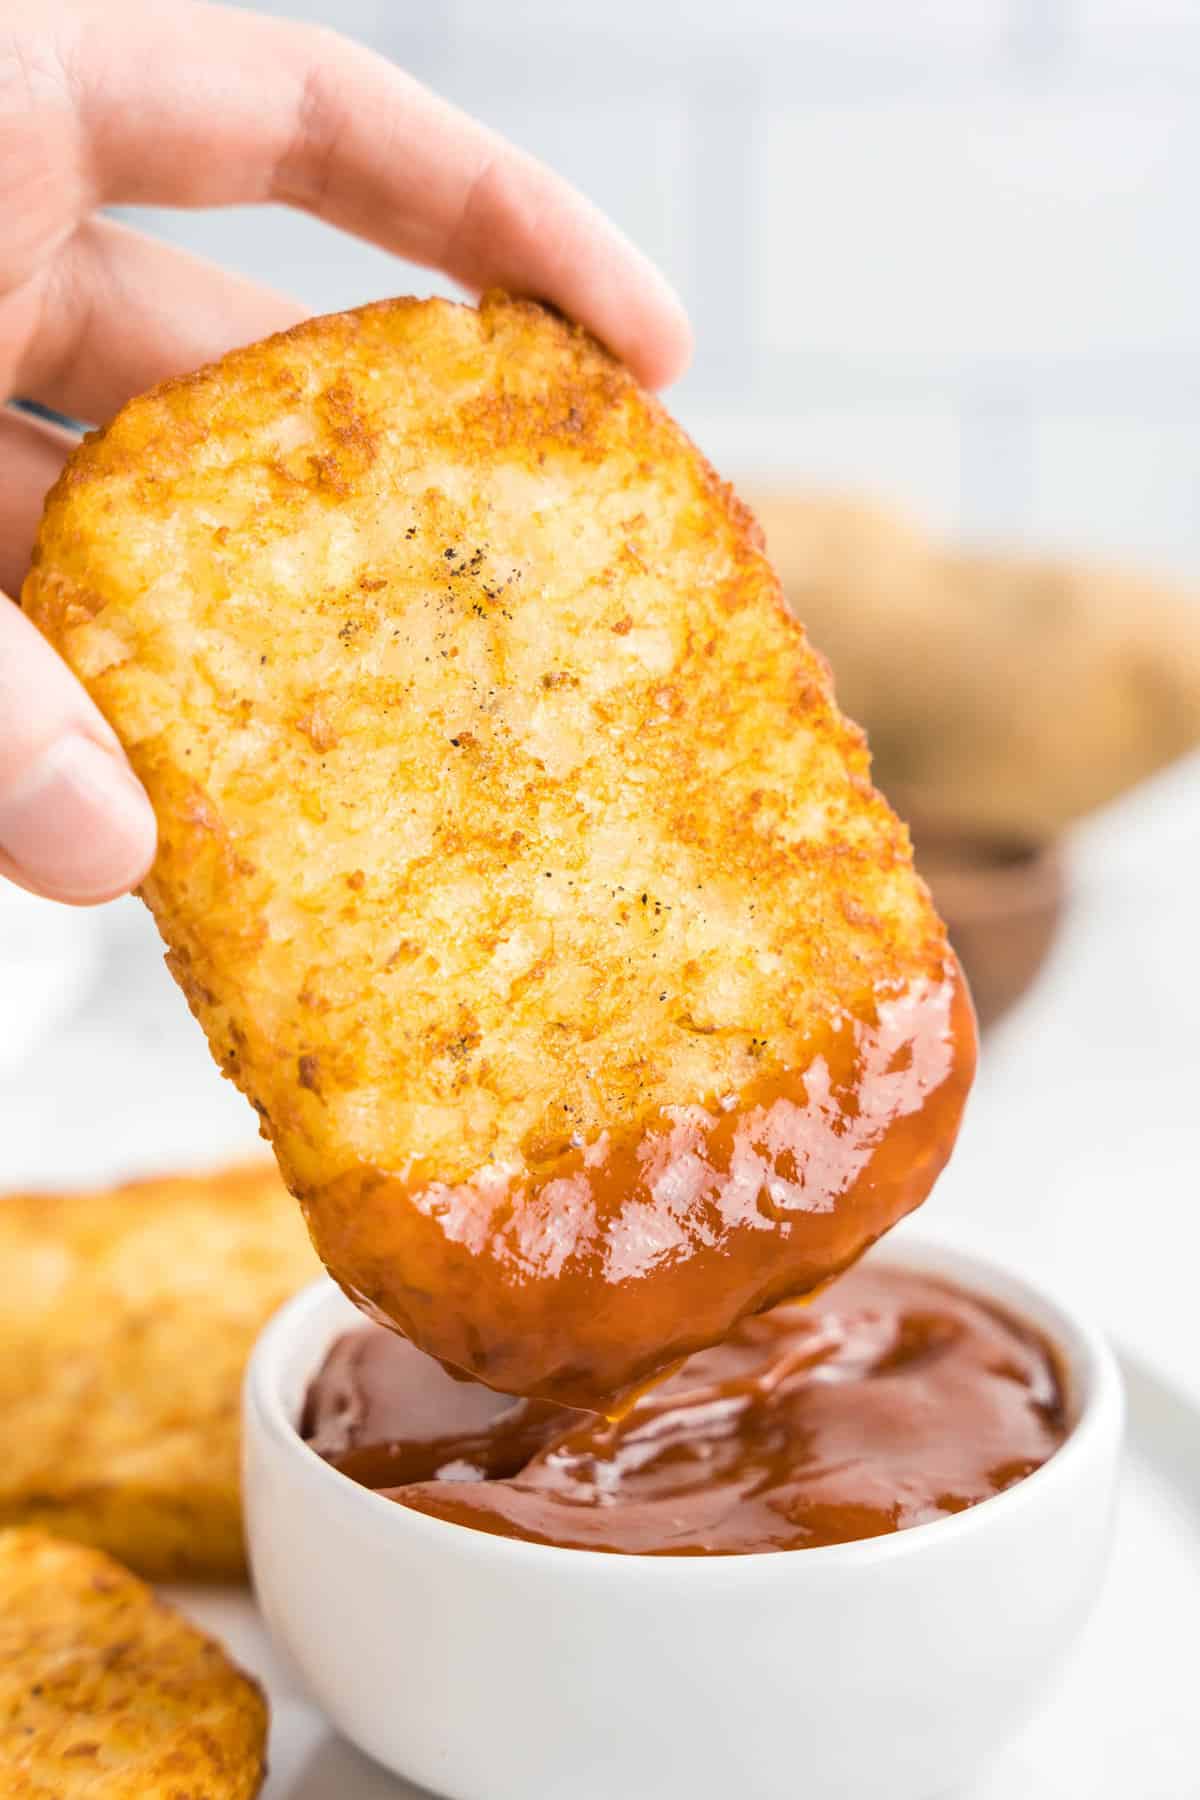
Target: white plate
[1124, 1722]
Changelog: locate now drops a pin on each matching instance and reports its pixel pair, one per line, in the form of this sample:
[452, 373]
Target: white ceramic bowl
[490, 1669]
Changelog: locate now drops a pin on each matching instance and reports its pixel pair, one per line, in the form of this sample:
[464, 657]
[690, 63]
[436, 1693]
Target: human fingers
[198, 105]
[75, 824]
[124, 311]
[31, 455]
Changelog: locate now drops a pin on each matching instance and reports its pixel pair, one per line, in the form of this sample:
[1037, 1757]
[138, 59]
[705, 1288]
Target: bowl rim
[1095, 1399]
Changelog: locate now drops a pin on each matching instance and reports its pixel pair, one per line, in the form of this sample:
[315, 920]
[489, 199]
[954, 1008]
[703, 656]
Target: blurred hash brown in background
[108, 1694]
[1009, 692]
[125, 1322]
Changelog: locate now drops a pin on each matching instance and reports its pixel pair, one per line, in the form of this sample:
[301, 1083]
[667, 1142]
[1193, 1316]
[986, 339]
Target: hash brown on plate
[108, 1694]
[512, 850]
[126, 1316]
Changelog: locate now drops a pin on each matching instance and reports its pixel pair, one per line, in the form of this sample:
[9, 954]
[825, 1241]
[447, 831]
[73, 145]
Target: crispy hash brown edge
[96, 1672]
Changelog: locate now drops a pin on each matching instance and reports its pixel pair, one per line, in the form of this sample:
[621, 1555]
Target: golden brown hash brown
[108, 1694]
[126, 1318]
[501, 802]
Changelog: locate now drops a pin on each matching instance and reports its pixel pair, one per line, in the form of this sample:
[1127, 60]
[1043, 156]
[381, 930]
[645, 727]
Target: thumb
[75, 824]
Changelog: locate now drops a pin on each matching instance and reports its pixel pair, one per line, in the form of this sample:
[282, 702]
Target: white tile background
[947, 250]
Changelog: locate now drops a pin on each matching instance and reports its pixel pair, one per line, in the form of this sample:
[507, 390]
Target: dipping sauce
[891, 1400]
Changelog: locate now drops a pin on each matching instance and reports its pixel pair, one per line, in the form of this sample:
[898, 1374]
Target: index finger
[196, 105]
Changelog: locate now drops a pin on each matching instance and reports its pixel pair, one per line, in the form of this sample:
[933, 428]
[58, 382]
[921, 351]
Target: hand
[180, 103]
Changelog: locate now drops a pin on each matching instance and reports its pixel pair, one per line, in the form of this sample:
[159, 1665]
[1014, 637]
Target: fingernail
[76, 822]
